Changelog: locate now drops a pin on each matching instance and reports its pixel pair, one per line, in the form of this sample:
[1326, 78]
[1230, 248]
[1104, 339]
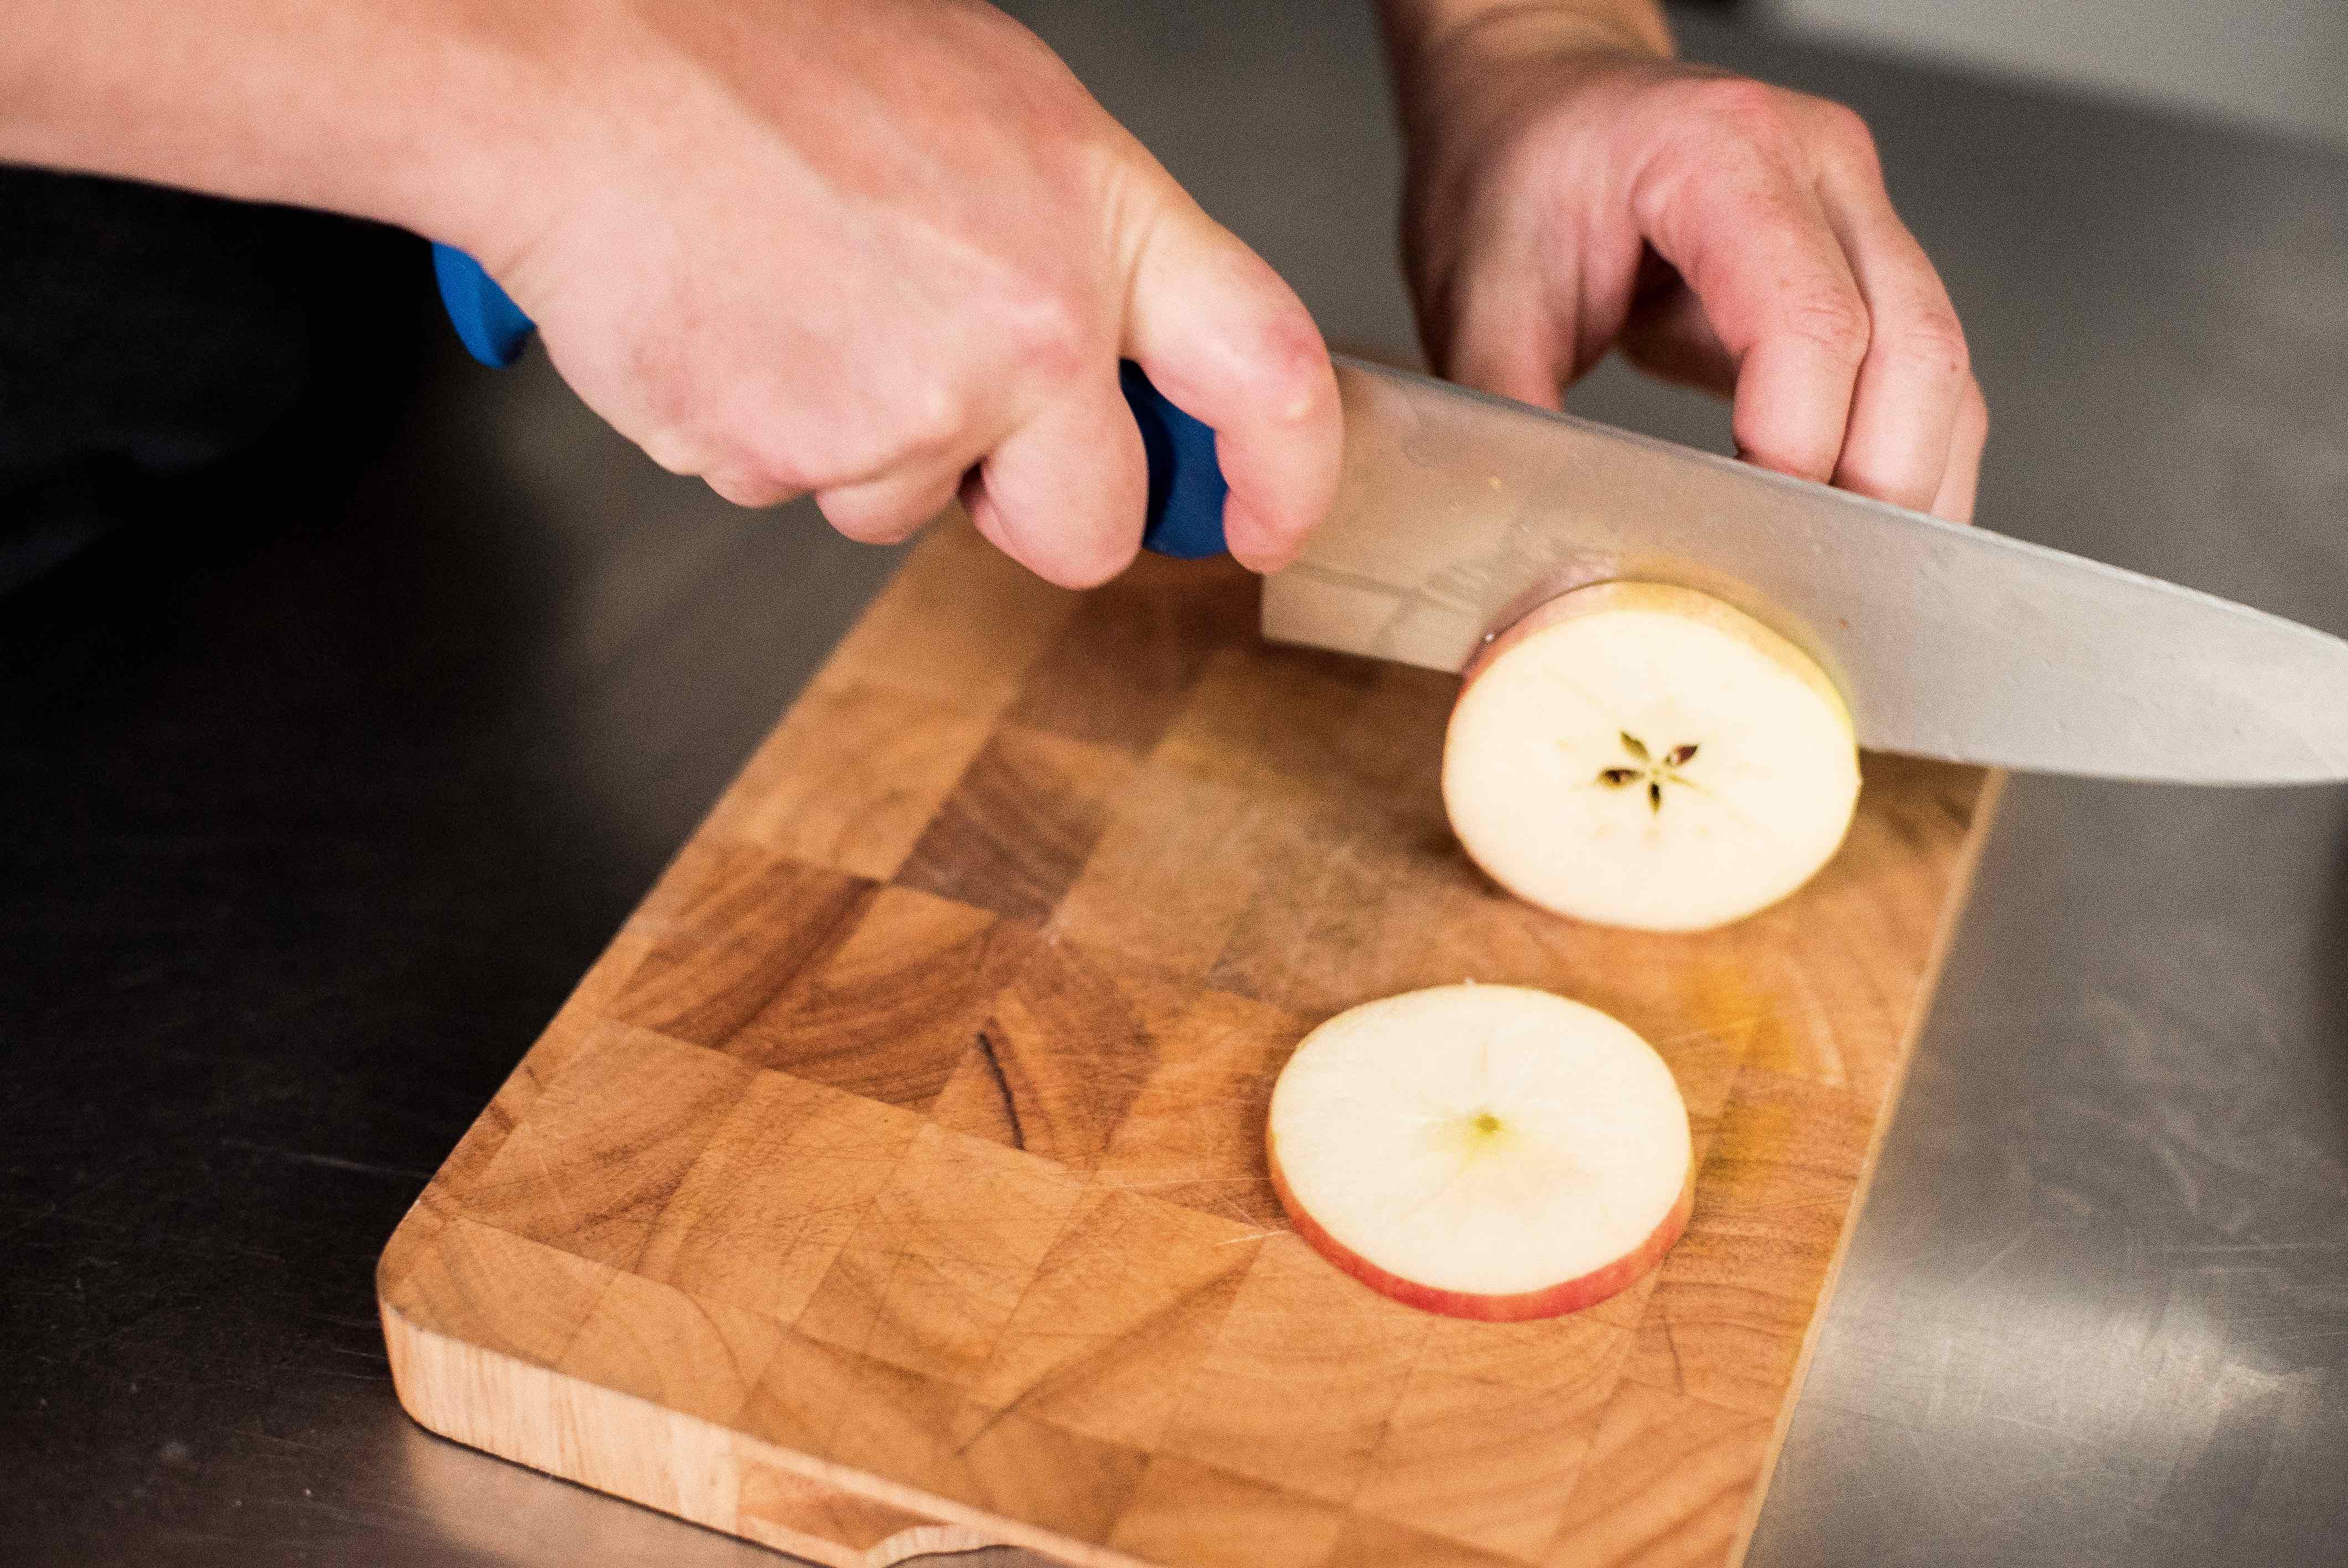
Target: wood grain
[894, 1184]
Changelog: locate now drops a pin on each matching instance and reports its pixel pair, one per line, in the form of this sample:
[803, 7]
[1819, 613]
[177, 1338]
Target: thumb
[1232, 346]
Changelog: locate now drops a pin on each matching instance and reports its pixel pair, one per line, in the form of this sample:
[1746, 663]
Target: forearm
[1418, 30]
[400, 110]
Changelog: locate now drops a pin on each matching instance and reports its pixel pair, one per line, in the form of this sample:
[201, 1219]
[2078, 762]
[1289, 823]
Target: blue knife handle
[1186, 484]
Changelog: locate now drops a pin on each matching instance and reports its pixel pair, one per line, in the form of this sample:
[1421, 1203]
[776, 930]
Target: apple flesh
[1483, 1152]
[1642, 756]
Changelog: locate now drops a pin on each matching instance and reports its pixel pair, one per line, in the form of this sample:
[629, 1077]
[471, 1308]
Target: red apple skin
[1631, 594]
[1549, 1301]
[1539, 618]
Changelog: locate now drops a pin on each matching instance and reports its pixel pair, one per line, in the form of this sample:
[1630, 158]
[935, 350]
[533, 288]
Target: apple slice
[1486, 1152]
[1641, 755]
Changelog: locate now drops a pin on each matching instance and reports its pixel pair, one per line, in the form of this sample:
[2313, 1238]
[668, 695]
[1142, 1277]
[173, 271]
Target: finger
[1904, 410]
[1064, 494]
[894, 506]
[1968, 438]
[1506, 326]
[1753, 245]
[1231, 345]
[1507, 340]
[673, 450]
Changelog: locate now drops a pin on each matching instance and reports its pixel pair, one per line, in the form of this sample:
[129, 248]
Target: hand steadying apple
[1572, 188]
[889, 251]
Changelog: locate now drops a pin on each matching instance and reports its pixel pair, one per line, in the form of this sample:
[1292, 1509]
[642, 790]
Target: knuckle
[1737, 99]
[1051, 337]
[673, 451]
[745, 488]
[1725, 141]
[1294, 363]
[1777, 124]
[775, 464]
[662, 385]
[1933, 346]
[1753, 111]
[858, 518]
[1833, 320]
[930, 417]
[1844, 131]
[1522, 158]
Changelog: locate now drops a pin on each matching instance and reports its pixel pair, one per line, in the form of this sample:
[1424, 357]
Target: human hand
[887, 251]
[1573, 189]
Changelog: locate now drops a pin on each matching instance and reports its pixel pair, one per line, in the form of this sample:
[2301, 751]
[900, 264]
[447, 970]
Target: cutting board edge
[429, 1367]
[1978, 829]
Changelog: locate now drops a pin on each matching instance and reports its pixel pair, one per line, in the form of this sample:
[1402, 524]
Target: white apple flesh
[1485, 1151]
[1642, 756]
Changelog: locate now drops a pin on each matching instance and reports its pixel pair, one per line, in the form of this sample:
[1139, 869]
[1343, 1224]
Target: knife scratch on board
[1003, 1085]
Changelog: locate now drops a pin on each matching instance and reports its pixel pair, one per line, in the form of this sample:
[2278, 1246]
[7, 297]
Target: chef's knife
[1458, 512]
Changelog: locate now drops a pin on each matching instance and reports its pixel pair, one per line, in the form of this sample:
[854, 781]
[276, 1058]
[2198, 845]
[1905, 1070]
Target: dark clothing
[147, 333]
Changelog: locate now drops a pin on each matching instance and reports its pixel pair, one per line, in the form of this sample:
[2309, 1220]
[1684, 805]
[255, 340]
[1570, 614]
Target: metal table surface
[313, 808]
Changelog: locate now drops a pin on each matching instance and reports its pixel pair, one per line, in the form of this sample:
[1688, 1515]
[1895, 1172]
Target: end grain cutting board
[894, 1183]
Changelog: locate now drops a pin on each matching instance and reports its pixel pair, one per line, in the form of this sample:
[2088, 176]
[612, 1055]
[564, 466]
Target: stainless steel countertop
[307, 826]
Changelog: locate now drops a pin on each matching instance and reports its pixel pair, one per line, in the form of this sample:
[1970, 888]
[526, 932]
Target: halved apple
[1485, 1152]
[1642, 756]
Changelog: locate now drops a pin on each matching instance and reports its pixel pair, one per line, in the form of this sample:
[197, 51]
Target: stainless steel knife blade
[1459, 512]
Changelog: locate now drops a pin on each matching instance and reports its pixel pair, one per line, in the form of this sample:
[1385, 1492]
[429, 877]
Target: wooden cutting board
[894, 1183]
